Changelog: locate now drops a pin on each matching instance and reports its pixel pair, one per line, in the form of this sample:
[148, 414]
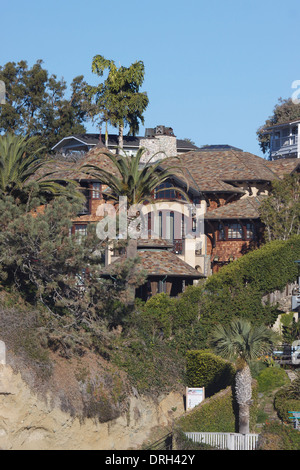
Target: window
[235, 231]
[96, 190]
[80, 231]
[162, 192]
[222, 235]
[249, 231]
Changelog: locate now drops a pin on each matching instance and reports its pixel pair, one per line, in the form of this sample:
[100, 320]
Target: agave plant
[242, 342]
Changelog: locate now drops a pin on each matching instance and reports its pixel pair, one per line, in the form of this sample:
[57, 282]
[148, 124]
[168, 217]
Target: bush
[276, 436]
[288, 399]
[204, 369]
[271, 378]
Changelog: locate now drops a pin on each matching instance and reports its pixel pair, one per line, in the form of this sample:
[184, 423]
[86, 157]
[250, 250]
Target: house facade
[187, 240]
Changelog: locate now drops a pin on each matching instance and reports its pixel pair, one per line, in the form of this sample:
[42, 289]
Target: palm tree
[135, 180]
[242, 342]
[18, 169]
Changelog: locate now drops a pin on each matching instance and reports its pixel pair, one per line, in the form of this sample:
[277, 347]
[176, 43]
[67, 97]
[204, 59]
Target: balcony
[284, 147]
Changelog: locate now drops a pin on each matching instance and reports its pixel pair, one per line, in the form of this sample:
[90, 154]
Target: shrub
[277, 436]
[204, 369]
[271, 378]
[288, 399]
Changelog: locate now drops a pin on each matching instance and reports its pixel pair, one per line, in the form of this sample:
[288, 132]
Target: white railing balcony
[289, 141]
[284, 147]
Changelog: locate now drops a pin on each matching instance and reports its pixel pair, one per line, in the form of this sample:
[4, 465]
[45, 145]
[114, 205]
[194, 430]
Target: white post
[2, 353]
[298, 144]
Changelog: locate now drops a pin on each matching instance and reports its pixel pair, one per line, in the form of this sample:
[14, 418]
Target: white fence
[225, 440]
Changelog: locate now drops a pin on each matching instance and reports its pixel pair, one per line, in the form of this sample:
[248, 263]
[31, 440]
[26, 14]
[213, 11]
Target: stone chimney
[160, 141]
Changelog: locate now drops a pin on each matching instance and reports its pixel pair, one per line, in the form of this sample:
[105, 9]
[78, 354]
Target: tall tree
[118, 100]
[280, 211]
[37, 105]
[284, 111]
[242, 342]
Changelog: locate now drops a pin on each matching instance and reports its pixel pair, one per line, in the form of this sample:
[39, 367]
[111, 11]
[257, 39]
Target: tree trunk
[244, 418]
[131, 252]
[243, 390]
[121, 132]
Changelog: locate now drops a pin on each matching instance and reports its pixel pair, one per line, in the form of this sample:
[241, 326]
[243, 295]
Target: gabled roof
[245, 208]
[218, 171]
[159, 263]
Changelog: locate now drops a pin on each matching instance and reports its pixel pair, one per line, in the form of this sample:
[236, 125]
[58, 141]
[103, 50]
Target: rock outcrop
[29, 423]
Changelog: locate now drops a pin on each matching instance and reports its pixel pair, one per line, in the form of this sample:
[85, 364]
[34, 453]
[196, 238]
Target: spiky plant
[242, 342]
[18, 169]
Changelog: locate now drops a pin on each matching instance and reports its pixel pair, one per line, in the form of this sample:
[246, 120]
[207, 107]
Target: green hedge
[218, 414]
[237, 289]
[205, 369]
[272, 378]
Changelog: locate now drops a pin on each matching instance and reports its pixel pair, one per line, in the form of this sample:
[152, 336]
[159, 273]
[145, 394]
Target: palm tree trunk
[244, 418]
[243, 390]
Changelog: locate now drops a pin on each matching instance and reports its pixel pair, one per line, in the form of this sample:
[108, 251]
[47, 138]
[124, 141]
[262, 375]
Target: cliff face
[29, 423]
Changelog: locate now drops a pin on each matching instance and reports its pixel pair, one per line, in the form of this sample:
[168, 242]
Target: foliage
[276, 436]
[241, 341]
[280, 211]
[288, 399]
[118, 100]
[238, 288]
[134, 181]
[271, 378]
[18, 167]
[284, 111]
[36, 104]
[59, 271]
[218, 414]
[204, 369]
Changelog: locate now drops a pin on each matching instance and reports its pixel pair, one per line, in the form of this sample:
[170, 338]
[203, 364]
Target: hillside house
[226, 184]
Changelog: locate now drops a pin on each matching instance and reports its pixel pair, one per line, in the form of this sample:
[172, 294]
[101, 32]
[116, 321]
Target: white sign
[194, 396]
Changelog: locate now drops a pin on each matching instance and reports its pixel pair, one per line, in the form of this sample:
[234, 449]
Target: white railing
[225, 440]
[284, 142]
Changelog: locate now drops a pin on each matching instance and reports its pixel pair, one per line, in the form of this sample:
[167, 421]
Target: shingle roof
[159, 263]
[283, 166]
[64, 170]
[245, 208]
[210, 171]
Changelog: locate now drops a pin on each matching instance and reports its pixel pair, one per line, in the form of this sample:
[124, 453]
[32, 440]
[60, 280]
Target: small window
[96, 190]
[235, 231]
[222, 235]
[249, 231]
[80, 231]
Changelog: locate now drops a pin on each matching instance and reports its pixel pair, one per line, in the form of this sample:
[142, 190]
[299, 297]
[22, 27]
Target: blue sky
[214, 70]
